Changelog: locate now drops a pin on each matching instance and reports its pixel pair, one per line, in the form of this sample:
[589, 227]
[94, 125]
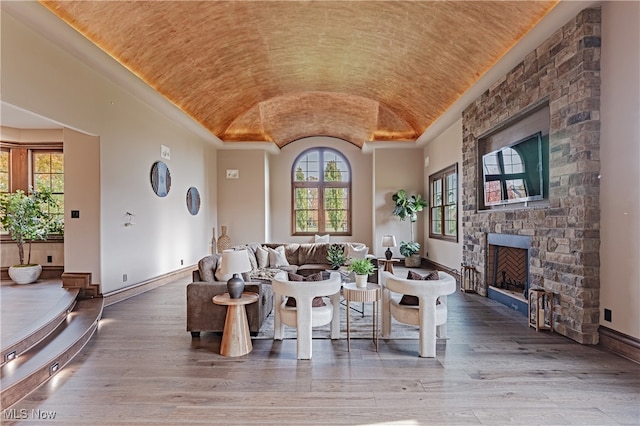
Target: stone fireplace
[562, 230]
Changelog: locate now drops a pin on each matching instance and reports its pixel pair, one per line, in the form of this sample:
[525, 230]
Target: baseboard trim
[620, 344]
[430, 264]
[144, 286]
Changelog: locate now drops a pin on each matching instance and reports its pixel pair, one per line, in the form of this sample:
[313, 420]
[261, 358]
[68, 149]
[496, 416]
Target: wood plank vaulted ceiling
[279, 71]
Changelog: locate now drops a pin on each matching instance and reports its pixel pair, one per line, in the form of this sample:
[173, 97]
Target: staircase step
[37, 330]
[34, 367]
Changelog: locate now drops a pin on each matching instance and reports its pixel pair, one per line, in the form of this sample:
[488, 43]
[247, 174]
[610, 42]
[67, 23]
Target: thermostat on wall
[233, 174]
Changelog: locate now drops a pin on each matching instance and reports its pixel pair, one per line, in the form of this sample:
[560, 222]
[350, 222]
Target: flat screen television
[515, 173]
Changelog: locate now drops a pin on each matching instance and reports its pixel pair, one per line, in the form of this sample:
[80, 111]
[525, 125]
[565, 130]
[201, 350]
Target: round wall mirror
[160, 179]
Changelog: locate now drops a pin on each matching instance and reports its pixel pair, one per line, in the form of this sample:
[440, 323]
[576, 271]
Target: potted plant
[362, 268]
[411, 252]
[26, 218]
[408, 207]
[336, 256]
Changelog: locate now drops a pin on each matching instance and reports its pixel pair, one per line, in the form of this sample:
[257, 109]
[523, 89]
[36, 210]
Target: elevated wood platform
[43, 327]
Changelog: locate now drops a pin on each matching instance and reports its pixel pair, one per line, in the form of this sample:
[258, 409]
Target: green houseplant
[26, 218]
[407, 207]
[362, 268]
[409, 248]
[336, 256]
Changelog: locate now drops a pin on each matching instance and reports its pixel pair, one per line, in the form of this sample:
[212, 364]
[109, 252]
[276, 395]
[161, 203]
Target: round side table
[370, 293]
[236, 340]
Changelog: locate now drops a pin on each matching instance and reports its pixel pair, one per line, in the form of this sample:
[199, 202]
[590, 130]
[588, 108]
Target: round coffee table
[236, 340]
[370, 293]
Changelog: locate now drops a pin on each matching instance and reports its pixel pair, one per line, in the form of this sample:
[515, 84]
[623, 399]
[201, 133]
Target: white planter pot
[25, 274]
[361, 281]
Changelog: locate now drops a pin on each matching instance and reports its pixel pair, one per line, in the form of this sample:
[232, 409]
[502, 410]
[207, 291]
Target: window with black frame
[443, 206]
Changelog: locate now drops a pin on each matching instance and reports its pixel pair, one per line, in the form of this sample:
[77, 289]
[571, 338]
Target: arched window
[321, 193]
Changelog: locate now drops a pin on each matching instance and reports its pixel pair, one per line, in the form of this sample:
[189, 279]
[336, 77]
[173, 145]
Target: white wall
[210, 194]
[396, 169]
[444, 151]
[620, 170]
[242, 202]
[82, 193]
[39, 76]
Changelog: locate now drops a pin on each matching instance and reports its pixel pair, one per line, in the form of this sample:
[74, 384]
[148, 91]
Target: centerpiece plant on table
[362, 268]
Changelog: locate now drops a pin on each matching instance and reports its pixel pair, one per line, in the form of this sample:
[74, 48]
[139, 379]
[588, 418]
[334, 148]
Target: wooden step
[14, 345]
[28, 371]
[82, 282]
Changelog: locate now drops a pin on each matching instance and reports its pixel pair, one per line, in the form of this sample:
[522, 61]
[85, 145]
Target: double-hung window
[48, 174]
[444, 204]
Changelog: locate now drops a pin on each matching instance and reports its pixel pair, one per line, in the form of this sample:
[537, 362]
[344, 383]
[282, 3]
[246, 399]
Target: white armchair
[429, 316]
[303, 316]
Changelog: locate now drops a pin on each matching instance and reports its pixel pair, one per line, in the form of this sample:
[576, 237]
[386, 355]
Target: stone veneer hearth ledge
[564, 72]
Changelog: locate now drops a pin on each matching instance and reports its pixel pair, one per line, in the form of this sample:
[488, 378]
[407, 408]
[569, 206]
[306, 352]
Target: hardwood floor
[142, 367]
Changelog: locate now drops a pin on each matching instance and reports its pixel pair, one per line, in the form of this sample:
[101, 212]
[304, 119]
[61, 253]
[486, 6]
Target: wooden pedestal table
[236, 340]
[388, 264]
[370, 293]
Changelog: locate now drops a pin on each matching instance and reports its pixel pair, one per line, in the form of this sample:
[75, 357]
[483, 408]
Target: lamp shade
[389, 241]
[235, 262]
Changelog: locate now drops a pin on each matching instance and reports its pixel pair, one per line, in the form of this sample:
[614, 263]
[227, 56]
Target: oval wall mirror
[160, 179]
[193, 200]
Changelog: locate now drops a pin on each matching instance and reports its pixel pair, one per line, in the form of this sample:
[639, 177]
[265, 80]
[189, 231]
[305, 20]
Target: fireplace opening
[508, 269]
[507, 273]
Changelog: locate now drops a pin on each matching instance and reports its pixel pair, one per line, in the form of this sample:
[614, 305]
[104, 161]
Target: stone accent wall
[564, 72]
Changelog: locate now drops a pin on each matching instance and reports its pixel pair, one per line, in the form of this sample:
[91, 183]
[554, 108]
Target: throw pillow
[413, 300]
[262, 256]
[317, 301]
[355, 252]
[321, 238]
[277, 257]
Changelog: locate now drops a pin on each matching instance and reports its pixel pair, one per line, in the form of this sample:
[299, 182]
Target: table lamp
[388, 241]
[235, 262]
